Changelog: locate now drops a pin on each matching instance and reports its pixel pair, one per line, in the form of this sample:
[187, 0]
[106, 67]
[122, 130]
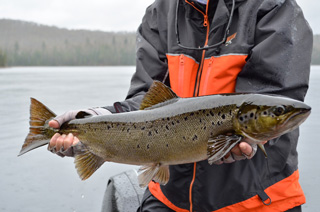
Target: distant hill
[30, 44]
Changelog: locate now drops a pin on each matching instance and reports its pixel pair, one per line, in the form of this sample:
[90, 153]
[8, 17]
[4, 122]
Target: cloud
[110, 15]
[107, 15]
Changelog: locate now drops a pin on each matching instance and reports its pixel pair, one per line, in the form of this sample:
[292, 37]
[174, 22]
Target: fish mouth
[297, 118]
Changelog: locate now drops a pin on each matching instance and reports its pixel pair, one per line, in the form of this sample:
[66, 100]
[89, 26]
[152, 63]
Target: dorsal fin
[158, 93]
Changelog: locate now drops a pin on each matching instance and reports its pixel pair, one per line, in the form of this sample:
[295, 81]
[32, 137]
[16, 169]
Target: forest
[31, 44]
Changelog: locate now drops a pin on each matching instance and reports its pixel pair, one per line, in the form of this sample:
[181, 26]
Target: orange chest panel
[217, 74]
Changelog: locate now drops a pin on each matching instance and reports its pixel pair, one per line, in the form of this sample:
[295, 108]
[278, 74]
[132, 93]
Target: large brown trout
[169, 130]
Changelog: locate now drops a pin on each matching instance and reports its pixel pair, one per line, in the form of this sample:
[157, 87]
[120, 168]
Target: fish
[169, 130]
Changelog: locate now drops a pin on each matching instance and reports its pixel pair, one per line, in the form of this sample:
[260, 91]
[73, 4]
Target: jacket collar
[222, 13]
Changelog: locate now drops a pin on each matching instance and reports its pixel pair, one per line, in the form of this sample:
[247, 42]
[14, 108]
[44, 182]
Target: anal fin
[155, 172]
[219, 146]
[87, 163]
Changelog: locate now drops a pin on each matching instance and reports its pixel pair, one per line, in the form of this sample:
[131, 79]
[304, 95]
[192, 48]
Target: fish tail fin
[38, 135]
[87, 163]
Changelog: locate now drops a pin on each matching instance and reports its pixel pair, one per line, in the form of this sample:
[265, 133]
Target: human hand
[241, 151]
[62, 145]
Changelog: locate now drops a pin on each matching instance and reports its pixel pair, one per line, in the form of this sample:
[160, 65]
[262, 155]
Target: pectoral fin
[86, 162]
[219, 146]
[263, 150]
[155, 172]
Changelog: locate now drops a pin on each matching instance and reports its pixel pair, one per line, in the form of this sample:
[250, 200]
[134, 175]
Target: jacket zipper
[199, 72]
[206, 79]
[197, 85]
[181, 74]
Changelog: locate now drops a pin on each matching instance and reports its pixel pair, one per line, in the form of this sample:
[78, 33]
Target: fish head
[260, 121]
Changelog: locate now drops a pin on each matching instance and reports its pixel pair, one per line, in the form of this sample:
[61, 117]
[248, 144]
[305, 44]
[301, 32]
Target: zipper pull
[182, 59]
[205, 21]
[210, 62]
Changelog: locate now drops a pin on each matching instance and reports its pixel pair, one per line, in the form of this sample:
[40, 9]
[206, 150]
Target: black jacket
[270, 42]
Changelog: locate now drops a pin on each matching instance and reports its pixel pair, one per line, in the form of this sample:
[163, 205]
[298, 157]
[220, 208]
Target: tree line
[30, 44]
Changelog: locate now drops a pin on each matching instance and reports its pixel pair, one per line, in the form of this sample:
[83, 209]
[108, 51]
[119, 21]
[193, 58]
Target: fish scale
[169, 130]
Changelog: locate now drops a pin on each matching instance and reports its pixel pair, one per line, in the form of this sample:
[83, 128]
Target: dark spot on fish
[148, 146]
[178, 122]
[205, 127]
[128, 130]
[203, 111]
[223, 116]
[149, 133]
[191, 114]
[163, 119]
[258, 108]
[241, 118]
[172, 123]
[167, 127]
[245, 116]
[186, 118]
[167, 145]
[230, 112]
[135, 127]
[195, 137]
[118, 124]
[251, 115]
[246, 127]
[184, 138]
[156, 131]
[212, 123]
[211, 113]
[265, 113]
[138, 146]
[143, 128]
[168, 119]
[219, 113]
[218, 123]
[208, 114]
[108, 126]
[200, 120]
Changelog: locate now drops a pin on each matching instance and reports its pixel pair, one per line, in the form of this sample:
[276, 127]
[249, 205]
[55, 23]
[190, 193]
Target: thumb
[54, 124]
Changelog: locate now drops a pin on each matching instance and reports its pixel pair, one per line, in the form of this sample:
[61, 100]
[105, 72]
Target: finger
[236, 150]
[75, 141]
[245, 148]
[54, 124]
[68, 141]
[60, 141]
[53, 140]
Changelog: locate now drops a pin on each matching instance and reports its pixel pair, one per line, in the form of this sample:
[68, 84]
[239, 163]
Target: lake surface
[40, 181]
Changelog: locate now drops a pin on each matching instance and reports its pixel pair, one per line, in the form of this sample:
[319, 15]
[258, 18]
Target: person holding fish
[205, 47]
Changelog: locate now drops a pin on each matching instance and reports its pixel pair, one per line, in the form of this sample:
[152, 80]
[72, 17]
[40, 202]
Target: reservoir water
[40, 181]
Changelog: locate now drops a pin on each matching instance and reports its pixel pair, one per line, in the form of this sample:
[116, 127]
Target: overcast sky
[106, 15]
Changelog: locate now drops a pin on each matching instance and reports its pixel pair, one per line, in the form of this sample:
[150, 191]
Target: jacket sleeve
[150, 62]
[279, 61]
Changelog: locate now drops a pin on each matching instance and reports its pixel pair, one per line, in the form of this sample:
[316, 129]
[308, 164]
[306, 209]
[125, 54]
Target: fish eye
[279, 110]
